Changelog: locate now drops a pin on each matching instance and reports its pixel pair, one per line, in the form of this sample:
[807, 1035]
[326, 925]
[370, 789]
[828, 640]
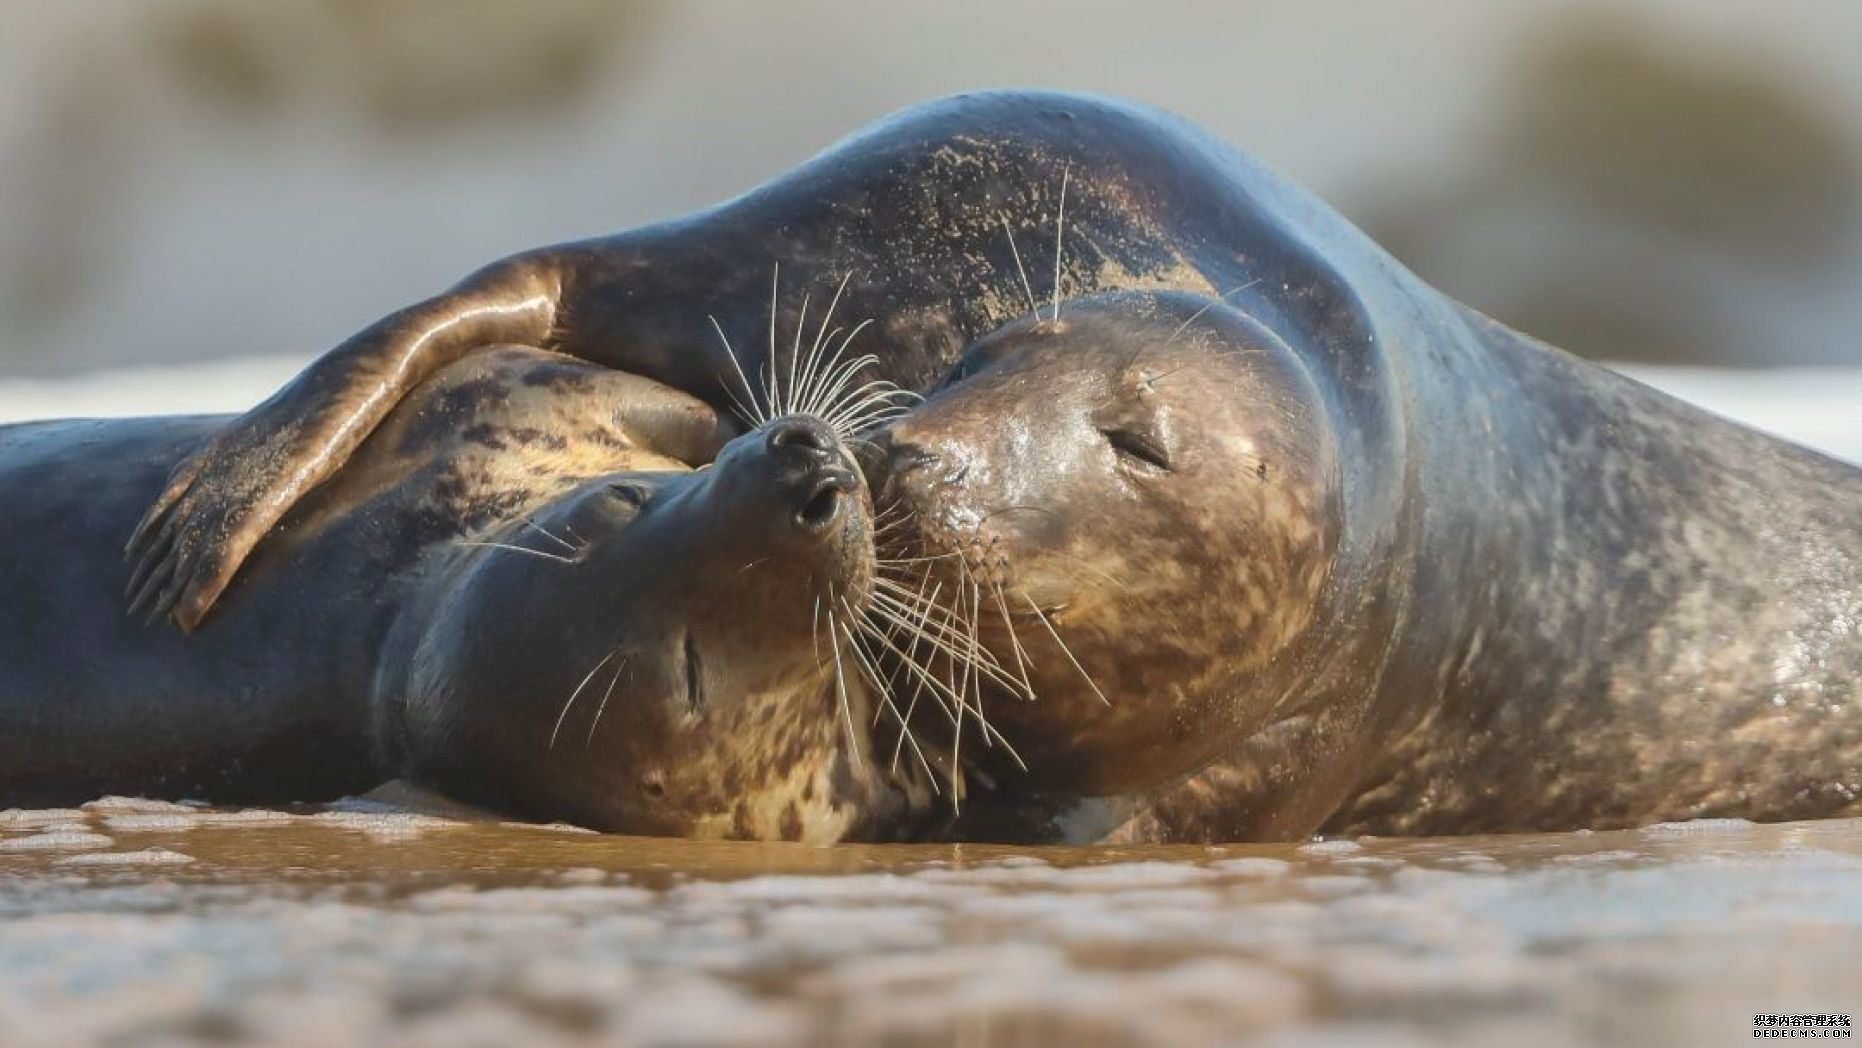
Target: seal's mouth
[826, 500]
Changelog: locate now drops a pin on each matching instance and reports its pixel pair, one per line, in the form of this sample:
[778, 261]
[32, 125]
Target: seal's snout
[802, 437]
[813, 468]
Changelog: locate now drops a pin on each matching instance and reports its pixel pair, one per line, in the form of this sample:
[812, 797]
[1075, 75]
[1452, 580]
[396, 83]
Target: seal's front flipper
[222, 499]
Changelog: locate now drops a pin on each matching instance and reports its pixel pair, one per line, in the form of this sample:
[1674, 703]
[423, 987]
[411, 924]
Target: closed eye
[1139, 448]
[964, 369]
[632, 494]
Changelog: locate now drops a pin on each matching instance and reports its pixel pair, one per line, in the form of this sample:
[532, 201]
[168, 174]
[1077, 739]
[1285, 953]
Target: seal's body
[1546, 596]
[521, 594]
[1512, 592]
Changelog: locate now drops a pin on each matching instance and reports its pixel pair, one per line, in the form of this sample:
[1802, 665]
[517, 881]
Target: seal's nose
[813, 470]
[801, 438]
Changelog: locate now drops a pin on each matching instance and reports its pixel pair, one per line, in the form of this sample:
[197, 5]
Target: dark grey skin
[375, 637]
[1552, 598]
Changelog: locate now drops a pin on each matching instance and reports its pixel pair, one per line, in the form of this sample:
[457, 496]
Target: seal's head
[669, 668]
[1133, 511]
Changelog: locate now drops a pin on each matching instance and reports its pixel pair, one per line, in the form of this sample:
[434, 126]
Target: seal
[1508, 591]
[521, 594]
[1536, 574]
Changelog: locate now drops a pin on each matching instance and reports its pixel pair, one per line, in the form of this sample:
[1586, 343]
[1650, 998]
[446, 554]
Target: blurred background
[187, 180]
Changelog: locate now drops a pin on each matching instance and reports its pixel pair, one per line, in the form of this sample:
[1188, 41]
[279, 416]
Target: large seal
[521, 594]
[1506, 591]
[1535, 574]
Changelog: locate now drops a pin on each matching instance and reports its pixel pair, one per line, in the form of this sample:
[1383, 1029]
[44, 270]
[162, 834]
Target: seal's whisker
[519, 549]
[975, 678]
[812, 373]
[1060, 226]
[751, 414]
[1194, 317]
[939, 642]
[911, 706]
[1013, 250]
[883, 392]
[768, 370]
[991, 736]
[795, 353]
[923, 677]
[1142, 349]
[835, 385]
[938, 689]
[874, 408]
[834, 382]
[547, 533]
[868, 395]
[612, 652]
[832, 370]
[1064, 650]
[891, 513]
[1022, 663]
[960, 672]
[945, 642]
[840, 684]
[863, 659]
[603, 707]
[947, 623]
[885, 693]
[948, 619]
[822, 338]
[926, 559]
[887, 705]
[868, 421]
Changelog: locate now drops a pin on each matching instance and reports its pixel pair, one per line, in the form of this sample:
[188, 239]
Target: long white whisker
[770, 386]
[547, 533]
[1211, 304]
[840, 685]
[835, 384]
[603, 708]
[1064, 650]
[1060, 225]
[795, 353]
[1022, 662]
[946, 644]
[822, 338]
[834, 373]
[751, 415]
[1026, 286]
[578, 690]
[519, 549]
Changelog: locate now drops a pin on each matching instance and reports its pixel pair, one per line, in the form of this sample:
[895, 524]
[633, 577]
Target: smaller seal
[1135, 508]
[1231, 589]
[522, 594]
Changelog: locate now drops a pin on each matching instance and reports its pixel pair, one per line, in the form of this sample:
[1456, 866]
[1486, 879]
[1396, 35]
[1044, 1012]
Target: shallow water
[137, 922]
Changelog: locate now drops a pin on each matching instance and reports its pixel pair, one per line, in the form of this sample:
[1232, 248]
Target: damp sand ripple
[130, 922]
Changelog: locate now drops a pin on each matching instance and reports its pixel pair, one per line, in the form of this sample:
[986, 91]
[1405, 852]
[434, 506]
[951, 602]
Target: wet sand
[131, 922]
